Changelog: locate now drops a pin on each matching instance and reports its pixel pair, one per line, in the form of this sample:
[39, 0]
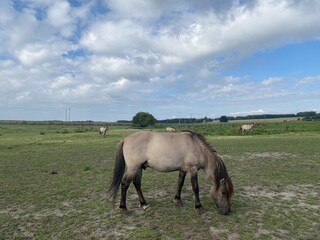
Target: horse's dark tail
[118, 172]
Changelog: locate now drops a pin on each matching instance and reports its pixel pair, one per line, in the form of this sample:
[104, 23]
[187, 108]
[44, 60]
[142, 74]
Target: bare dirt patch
[274, 155]
[260, 155]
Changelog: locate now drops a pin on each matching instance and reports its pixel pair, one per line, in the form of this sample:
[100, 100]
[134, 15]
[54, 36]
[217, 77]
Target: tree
[143, 119]
[306, 114]
[223, 119]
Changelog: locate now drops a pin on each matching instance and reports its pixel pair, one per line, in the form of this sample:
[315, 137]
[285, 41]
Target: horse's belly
[164, 164]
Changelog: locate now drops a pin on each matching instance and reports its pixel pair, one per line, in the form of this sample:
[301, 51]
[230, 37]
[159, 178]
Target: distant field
[267, 127]
[54, 180]
[291, 119]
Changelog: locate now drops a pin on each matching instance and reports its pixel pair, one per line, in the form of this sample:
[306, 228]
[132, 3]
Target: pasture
[54, 180]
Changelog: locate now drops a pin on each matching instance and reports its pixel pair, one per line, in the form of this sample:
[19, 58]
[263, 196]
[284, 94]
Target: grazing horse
[246, 128]
[186, 152]
[103, 130]
[170, 129]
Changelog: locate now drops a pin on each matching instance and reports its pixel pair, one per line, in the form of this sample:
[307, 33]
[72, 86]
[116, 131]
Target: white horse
[103, 130]
[170, 129]
[246, 128]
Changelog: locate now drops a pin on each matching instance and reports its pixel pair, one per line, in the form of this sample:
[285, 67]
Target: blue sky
[288, 60]
[106, 60]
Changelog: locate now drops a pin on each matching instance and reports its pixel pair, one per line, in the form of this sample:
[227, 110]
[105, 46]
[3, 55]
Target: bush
[223, 119]
[143, 119]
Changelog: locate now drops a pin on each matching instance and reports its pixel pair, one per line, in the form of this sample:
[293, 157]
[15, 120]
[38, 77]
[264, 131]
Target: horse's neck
[211, 166]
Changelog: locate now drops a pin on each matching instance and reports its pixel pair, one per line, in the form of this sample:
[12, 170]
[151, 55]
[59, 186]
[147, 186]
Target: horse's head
[221, 195]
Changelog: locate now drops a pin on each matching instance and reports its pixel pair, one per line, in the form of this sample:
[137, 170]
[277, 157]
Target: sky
[106, 60]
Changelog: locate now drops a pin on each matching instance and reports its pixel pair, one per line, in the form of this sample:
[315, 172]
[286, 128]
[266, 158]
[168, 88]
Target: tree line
[144, 119]
[309, 115]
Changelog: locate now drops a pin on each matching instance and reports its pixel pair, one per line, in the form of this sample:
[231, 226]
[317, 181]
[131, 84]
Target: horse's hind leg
[137, 184]
[182, 176]
[125, 183]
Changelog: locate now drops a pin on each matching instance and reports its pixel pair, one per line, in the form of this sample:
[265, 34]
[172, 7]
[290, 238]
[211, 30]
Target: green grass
[54, 181]
[262, 128]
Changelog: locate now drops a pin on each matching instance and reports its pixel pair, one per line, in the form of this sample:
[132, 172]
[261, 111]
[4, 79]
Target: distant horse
[170, 129]
[103, 130]
[186, 152]
[246, 128]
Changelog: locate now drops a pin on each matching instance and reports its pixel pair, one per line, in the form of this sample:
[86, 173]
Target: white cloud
[115, 37]
[23, 96]
[120, 83]
[253, 112]
[58, 15]
[82, 90]
[309, 80]
[270, 23]
[34, 54]
[271, 81]
[109, 69]
[61, 81]
[137, 8]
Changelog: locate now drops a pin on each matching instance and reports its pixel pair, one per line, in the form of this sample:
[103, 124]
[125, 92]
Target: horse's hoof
[123, 209]
[200, 210]
[178, 202]
[145, 207]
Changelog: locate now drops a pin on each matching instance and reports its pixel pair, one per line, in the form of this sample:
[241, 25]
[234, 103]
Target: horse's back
[160, 151]
[170, 129]
[247, 126]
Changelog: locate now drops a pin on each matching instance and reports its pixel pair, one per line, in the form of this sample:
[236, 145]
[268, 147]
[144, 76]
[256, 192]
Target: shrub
[143, 119]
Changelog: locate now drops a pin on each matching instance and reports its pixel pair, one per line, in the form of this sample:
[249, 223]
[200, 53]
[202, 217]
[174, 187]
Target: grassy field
[54, 181]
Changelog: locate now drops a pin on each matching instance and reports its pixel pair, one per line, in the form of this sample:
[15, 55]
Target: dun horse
[170, 129]
[103, 130]
[246, 128]
[186, 152]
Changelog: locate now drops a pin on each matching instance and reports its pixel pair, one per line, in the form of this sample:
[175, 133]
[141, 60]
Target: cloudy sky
[106, 60]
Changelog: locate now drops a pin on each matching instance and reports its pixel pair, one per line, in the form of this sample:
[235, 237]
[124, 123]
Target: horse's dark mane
[202, 140]
[221, 170]
[222, 173]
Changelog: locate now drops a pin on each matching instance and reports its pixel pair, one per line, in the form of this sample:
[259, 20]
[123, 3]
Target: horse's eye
[223, 193]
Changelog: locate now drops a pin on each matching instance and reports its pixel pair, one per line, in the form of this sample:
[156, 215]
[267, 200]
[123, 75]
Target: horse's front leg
[137, 184]
[182, 176]
[195, 187]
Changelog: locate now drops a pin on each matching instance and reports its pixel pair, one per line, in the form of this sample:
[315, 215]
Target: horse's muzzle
[225, 212]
